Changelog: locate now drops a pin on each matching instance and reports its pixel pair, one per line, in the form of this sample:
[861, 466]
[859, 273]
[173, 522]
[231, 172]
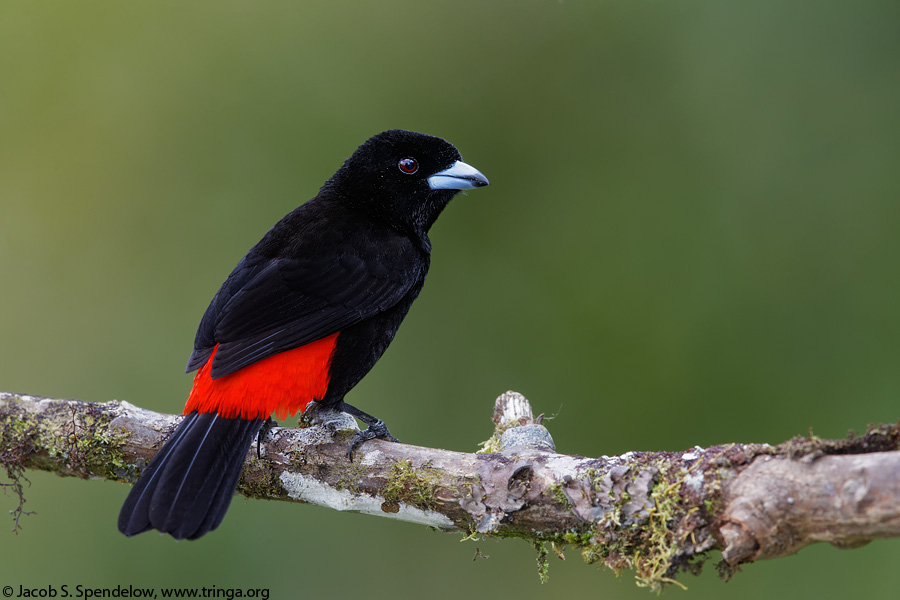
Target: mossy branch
[658, 513]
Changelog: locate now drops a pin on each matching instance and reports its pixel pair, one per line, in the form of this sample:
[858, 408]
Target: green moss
[75, 435]
[559, 495]
[576, 538]
[414, 486]
[654, 563]
[350, 477]
[650, 543]
[260, 480]
[492, 444]
[72, 438]
[472, 535]
[297, 460]
[542, 563]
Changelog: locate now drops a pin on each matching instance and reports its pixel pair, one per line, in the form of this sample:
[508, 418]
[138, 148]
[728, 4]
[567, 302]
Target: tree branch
[656, 512]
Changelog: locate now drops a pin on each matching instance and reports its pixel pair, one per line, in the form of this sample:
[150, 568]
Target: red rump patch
[283, 383]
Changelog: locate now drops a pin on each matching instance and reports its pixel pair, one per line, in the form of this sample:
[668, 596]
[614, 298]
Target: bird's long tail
[188, 486]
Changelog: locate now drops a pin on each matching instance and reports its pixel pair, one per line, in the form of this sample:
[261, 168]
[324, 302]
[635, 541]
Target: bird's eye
[408, 165]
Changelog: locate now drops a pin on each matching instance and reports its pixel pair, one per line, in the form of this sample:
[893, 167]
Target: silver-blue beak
[459, 176]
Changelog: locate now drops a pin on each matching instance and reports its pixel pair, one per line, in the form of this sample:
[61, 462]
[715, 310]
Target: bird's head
[405, 178]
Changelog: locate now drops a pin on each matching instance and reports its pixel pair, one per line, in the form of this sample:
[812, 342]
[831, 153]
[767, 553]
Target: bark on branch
[656, 512]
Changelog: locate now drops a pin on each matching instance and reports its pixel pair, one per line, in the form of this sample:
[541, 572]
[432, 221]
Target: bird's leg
[376, 428]
[264, 431]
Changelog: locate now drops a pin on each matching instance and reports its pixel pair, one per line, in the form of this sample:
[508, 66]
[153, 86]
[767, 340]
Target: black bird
[302, 317]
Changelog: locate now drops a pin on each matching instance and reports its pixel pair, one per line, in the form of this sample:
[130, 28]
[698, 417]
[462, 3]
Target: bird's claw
[263, 432]
[375, 430]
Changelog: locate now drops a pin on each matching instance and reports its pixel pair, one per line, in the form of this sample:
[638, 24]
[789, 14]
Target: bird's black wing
[268, 305]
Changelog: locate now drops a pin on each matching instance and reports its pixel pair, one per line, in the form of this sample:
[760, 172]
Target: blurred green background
[691, 237]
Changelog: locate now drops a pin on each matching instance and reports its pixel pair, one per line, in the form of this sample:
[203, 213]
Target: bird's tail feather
[188, 486]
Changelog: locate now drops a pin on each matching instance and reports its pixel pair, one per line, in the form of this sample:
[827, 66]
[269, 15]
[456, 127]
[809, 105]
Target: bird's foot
[377, 429]
[263, 432]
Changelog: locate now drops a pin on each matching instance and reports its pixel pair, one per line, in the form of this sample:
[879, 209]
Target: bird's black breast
[360, 346]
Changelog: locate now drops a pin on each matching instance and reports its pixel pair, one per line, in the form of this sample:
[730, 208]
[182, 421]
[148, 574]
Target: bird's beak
[459, 176]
